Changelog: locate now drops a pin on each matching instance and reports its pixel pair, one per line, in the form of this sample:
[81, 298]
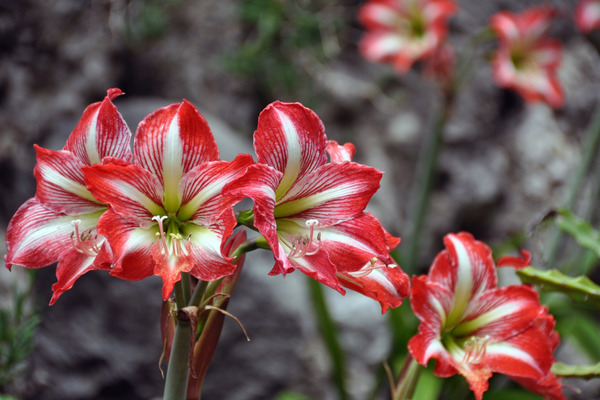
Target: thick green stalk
[178, 370]
[423, 183]
[409, 377]
[329, 333]
[590, 148]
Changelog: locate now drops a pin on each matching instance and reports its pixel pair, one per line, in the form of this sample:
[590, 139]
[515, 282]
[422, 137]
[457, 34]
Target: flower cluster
[167, 209]
[527, 60]
[404, 31]
[475, 328]
[401, 32]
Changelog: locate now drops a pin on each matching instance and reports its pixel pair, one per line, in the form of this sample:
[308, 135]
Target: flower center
[85, 242]
[304, 245]
[171, 242]
[475, 349]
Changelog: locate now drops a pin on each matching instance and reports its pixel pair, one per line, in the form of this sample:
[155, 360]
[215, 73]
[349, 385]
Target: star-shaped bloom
[474, 328]
[401, 32]
[310, 211]
[59, 223]
[587, 15]
[167, 214]
[527, 61]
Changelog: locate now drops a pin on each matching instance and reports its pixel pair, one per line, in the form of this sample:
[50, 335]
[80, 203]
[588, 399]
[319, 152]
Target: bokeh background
[504, 165]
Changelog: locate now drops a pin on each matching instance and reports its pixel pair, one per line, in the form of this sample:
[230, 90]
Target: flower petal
[130, 244]
[131, 191]
[101, 132]
[339, 153]
[259, 183]
[466, 267]
[290, 138]
[500, 313]
[334, 192]
[387, 284]
[202, 200]
[60, 183]
[170, 142]
[37, 236]
[72, 265]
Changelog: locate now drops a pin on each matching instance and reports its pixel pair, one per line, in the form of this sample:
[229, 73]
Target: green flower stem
[330, 336]
[198, 293]
[186, 284]
[178, 370]
[423, 183]
[590, 148]
[409, 377]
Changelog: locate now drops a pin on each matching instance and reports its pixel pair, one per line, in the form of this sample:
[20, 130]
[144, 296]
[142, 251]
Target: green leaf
[429, 386]
[576, 371]
[290, 396]
[580, 289]
[583, 233]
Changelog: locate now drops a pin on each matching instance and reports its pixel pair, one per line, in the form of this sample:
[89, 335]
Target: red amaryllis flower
[386, 283]
[527, 60]
[167, 214]
[587, 15]
[474, 328]
[310, 212]
[401, 32]
[59, 223]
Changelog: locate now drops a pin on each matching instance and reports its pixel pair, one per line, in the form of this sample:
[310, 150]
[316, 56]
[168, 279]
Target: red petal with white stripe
[202, 201]
[101, 132]
[60, 183]
[172, 141]
[131, 191]
[37, 237]
[333, 192]
[290, 138]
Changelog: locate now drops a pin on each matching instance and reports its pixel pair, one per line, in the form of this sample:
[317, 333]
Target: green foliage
[576, 371]
[583, 233]
[580, 289]
[17, 328]
[291, 396]
[148, 20]
[281, 35]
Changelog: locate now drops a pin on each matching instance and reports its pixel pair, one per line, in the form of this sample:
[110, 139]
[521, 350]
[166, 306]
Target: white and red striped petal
[291, 139]
[334, 192]
[172, 141]
[587, 15]
[131, 191]
[340, 153]
[201, 189]
[60, 183]
[500, 313]
[207, 249]
[74, 264]
[101, 132]
[387, 284]
[37, 236]
[130, 244]
[466, 267]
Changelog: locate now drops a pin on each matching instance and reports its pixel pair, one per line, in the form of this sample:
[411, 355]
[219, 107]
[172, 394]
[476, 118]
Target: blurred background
[503, 166]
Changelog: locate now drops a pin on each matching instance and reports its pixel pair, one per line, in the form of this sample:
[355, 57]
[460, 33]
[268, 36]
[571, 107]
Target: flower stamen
[85, 243]
[302, 244]
[475, 349]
